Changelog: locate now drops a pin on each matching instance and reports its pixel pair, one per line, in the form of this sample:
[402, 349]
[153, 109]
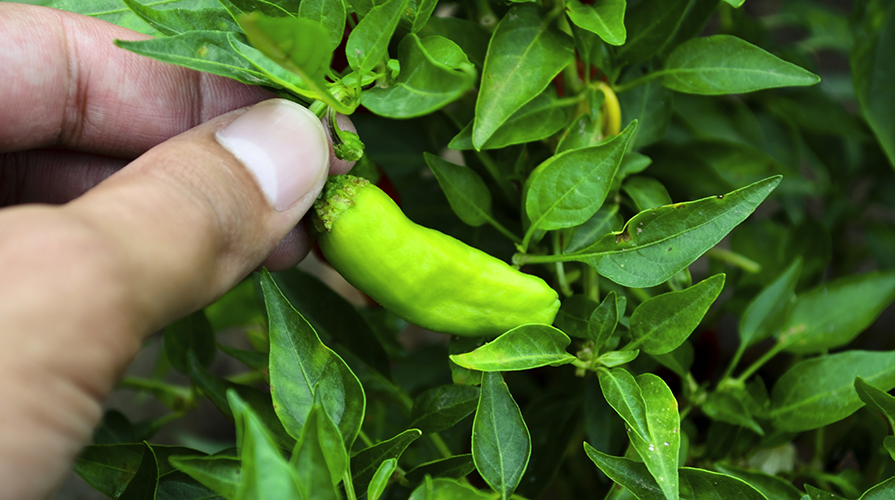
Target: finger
[51, 176]
[86, 282]
[78, 90]
[58, 176]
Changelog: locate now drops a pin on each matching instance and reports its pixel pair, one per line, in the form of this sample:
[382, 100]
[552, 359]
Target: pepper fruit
[424, 276]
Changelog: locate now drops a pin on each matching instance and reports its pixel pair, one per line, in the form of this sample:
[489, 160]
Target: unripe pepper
[424, 276]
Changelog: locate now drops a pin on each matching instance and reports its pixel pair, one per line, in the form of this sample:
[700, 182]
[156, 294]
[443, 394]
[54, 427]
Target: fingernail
[284, 145]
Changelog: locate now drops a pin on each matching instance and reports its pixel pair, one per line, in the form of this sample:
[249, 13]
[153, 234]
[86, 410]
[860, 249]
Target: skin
[424, 276]
[84, 283]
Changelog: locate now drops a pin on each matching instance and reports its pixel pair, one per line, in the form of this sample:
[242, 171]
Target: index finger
[66, 84]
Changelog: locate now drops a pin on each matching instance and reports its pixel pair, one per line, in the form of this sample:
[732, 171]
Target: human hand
[82, 284]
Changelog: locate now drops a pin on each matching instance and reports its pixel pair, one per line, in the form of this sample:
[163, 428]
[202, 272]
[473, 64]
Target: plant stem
[591, 283]
[504, 231]
[778, 347]
[441, 445]
[560, 269]
[638, 81]
[734, 259]
[366, 439]
[349, 486]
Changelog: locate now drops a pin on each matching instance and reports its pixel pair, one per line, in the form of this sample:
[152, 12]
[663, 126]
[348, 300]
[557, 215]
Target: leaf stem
[504, 231]
[366, 439]
[560, 269]
[621, 87]
[778, 347]
[591, 283]
[734, 259]
[440, 445]
[498, 177]
[349, 486]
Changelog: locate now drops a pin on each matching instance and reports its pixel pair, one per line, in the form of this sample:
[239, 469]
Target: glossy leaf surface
[522, 348]
[656, 244]
[820, 391]
[501, 445]
[523, 39]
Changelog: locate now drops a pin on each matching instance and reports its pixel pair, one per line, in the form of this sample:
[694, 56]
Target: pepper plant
[706, 184]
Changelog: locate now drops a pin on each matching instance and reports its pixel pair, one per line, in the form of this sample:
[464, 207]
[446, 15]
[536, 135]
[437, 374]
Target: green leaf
[651, 25]
[766, 311]
[603, 17]
[279, 76]
[646, 192]
[265, 473]
[889, 445]
[873, 29]
[367, 44]
[442, 407]
[216, 390]
[538, 119]
[657, 243]
[814, 493]
[525, 53]
[465, 190]
[192, 333]
[679, 360]
[207, 51]
[552, 418]
[707, 485]
[819, 391]
[293, 43]
[604, 319]
[109, 468]
[833, 314]
[725, 407]
[253, 359]
[144, 484]
[584, 132]
[600, 224]
[455, 467]
[877, 399]
[220, 474]
[300, 366]
[460, 345]
[772, 487]
[882, 491]
[522, 348]
[380, 478]
[574, 314]
[114, 428]
[470, 36]
[660, 450]
[628, 473]
[501, 445]
[365, 462]
[176, 21]
[625, 396]
[334, 317]
[652, 105]
[272, 8]
[434, 73]
[330, 14]
[662, 323]
[319, 458]
[569, 188]
[447, 489]
[725, 64]
[616, 358]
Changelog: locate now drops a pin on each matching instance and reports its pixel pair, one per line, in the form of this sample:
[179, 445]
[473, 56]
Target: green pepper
[424, 276]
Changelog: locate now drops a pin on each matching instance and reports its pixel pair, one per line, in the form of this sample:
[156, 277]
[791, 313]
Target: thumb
[197, 213]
